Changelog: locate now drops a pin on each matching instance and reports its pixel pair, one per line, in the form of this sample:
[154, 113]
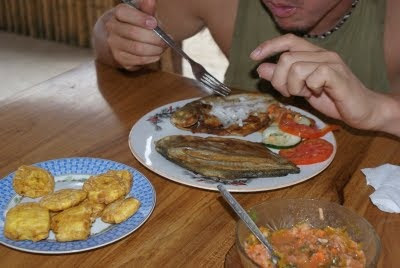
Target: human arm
[122, 38]
[328, 84]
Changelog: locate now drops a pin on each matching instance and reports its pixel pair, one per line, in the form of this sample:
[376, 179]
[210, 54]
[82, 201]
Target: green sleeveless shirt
[359, 42]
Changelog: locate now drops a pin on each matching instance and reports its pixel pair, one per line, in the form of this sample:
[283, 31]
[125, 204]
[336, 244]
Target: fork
[199, 72]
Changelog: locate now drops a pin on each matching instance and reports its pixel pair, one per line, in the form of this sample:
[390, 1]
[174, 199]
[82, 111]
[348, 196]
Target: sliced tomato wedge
[288, 125]
[308, 152]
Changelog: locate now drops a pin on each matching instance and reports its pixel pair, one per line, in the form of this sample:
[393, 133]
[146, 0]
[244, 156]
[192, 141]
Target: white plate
[156, 125]
[71, 173]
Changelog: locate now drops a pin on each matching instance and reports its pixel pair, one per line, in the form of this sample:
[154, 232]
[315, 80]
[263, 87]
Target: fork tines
[215, 85]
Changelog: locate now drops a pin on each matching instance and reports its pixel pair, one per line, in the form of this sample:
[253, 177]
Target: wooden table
[90, 110]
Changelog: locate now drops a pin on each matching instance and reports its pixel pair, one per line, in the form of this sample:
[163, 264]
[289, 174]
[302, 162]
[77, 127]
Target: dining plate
[156, 125]
[71, 173]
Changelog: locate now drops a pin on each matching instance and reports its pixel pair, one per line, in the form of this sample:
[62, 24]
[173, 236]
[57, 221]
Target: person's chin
[287, 25]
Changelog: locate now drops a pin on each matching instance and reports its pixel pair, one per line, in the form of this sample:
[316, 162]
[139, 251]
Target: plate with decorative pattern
[156, 124]
[71, 173]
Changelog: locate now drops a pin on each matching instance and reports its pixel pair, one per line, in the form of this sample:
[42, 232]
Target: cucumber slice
[303, 120]
[275, 138]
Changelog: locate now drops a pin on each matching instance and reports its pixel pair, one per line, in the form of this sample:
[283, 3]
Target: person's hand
[320, 76]
[130, 37]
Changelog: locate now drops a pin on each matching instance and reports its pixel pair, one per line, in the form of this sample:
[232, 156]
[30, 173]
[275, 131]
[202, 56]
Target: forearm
[102, 51]
[387, 113]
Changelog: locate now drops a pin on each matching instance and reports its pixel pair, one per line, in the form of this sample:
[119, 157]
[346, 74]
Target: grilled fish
[224, 158]
[238, 114]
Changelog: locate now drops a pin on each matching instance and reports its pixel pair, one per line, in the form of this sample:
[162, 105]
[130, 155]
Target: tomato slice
[308, 152]
[288, 125]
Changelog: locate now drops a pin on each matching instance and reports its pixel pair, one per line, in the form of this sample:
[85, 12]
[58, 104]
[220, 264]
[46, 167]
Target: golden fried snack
[120, 210]
[33, 181]
[96, 208]
[63, 199]
[125, 176]
[72, 224]
[27, 221]
[104, 189]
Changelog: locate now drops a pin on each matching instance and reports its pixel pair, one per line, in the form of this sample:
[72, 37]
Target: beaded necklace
[337, 26]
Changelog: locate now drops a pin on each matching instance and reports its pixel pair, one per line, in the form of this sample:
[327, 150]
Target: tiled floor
[25, 62]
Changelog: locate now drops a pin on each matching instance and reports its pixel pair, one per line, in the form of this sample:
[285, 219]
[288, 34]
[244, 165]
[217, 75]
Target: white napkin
[386, 181]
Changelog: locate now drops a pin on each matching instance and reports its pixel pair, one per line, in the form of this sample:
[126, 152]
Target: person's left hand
[319, 75]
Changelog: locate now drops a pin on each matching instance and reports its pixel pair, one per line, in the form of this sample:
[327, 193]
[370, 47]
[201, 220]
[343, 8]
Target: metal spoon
[249, 222]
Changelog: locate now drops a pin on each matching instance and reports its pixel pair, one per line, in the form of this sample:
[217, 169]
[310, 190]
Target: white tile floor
[25, 62]
[203, 49]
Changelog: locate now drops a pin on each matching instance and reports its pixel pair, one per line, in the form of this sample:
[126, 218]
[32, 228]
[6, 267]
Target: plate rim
[154, 201]
[213, 187]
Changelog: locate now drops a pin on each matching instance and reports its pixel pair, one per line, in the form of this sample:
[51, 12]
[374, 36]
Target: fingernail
[151, 22]
[255, 53]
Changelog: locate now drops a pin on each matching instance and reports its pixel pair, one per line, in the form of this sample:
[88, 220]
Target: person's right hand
[130, 36]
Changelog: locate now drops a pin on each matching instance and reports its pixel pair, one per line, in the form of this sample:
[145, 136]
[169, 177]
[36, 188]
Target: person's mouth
[280, 10]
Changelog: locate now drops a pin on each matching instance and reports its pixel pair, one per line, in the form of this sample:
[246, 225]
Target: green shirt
[359, 42]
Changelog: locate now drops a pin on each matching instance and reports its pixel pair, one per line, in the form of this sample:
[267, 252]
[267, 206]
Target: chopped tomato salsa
[304, 246]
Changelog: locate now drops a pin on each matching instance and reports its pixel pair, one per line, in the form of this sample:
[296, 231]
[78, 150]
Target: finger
[287, 59]
[129, 61]
[132, 32]
[287, 42]
[326, 78]
[297, 75]
[266, 71]
[148, 6]
[135, 47]
[134, 16]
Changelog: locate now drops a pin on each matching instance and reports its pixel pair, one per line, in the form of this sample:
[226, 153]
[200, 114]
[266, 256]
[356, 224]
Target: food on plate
[308, 152]
[95, 208]
[72, 224]
[297, 124]
[104, 188]
[120, 210]
[63, 199]
[27, 221]
[224, 158]
[306, 246]
[69, 213]
[297, 136]
[124, 175]
[275, 138]
[236, 114]
[32, 181]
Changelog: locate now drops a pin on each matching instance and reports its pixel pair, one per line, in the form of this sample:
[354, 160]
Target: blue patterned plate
[71, 173]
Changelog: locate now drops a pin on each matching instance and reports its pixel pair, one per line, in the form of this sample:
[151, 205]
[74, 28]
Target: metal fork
[198, 70]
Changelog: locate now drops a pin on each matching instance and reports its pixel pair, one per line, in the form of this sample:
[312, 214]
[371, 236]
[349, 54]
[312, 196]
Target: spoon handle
[248, 221]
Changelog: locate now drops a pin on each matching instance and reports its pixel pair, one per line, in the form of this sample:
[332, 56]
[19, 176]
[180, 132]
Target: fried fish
[224, 158]
[236, 114]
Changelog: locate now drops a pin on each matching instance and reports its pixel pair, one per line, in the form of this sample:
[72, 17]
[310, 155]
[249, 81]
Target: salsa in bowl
[308, 233]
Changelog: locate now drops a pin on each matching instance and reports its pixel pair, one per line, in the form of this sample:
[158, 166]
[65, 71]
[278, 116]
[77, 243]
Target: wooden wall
[67, 21]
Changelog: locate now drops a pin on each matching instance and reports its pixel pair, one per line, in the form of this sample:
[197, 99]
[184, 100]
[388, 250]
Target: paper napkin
[386, 181]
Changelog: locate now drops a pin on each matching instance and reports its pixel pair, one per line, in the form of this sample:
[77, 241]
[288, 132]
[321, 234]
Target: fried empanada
[125, 176]
[27, 221]
[33, 181]
[104, 188]
[63, 199]
[120, 210]
[72, 224]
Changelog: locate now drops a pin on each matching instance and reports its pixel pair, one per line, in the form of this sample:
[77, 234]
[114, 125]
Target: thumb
[266, 70]
[148, 6]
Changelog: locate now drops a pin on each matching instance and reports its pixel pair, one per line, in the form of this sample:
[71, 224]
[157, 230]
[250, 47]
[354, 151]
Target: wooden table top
[90, 110]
